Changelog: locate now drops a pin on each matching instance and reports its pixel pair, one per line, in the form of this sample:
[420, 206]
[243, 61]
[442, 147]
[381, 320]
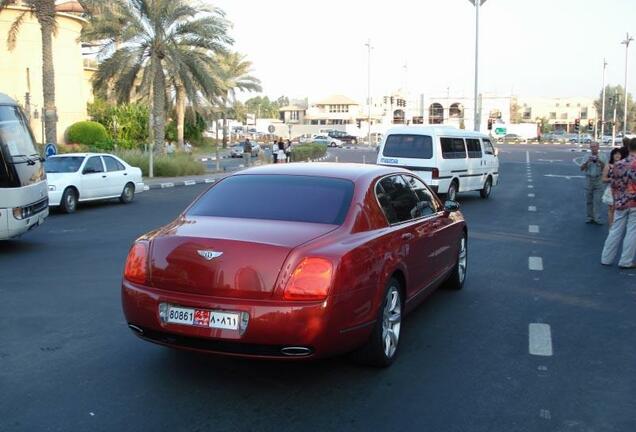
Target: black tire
[375, 352]
[457, 277]
[452, 191]
[68, 204]
[485, 191]
[128, 194]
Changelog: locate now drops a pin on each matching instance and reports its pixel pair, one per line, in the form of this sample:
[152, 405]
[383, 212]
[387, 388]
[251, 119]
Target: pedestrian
[623, 178]
[247, 152]
[170, 149]
[625, 149]
[275, 151]
[281, 151]
[593, 168]
[608, 197]
[288, 150]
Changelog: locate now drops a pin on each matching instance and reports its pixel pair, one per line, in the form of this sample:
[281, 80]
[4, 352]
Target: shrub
[304, 151]
[127, 123]
[87, 133]
[165, 166]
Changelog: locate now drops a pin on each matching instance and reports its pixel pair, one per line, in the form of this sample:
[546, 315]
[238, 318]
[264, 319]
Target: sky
[309, 48]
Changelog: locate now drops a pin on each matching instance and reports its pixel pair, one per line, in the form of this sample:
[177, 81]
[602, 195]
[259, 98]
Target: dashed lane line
[539, 339]
[535, 263]
[532, 208]
[530, 195]
[534, 229]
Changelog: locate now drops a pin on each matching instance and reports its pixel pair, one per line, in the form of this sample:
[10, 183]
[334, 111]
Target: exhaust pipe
[296, 351]
[136, 329]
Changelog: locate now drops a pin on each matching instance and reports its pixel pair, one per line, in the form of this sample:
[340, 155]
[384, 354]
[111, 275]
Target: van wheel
[485, 192]
[452, 191]
[69, 200]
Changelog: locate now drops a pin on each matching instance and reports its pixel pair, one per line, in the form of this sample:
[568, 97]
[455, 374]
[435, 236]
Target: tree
[44, 12]
[611, 101]
[282, 101]
[262, 107]
[233, 75]
[163, 43]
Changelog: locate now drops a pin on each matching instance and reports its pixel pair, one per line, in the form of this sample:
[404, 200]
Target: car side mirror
[451, 206]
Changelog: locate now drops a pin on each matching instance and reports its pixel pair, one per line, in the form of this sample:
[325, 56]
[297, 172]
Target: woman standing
[608, 197]
[275, 151]
[281, 151]
[288, 150]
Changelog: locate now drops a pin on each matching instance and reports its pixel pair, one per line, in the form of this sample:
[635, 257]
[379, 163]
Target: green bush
[86, 132]
[127, 124]
[178, 165]
[304, 151]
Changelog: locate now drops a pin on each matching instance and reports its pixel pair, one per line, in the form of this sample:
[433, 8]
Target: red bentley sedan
[296, 261]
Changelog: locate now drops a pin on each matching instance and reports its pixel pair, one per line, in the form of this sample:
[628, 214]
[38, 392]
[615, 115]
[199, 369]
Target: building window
[294, 115]
[314, 122]
[567, 105]
[456, 111]
[418, 120]
[584, 114]
[436, 114]
[552, 116]
[564, 116]
[557, 104]
[338, 108]
[527, 113]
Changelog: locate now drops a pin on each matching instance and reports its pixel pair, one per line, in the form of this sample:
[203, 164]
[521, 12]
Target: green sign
[500, 130]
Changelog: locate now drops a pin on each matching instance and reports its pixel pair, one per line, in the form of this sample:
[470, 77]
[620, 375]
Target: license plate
[203, 318]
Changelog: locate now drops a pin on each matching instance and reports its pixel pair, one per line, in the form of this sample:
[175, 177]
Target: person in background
[623, 176]
[608, 198]
[275, 151]
[288, 150]
[247, 152]
[170, 148]
[281, 151]
[625, 149]
[593, 168]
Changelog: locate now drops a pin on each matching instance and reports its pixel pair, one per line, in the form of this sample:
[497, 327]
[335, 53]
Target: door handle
[104, 176]
[125, 173]
[407, 236]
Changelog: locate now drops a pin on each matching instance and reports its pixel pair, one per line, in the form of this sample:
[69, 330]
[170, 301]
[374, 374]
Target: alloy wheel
[391, 321]
[462, 260]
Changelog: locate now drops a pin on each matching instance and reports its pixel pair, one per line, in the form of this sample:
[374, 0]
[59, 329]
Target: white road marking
[530, 195]
[549, 160]
[539, 339]
[189, 182]
[534, 229]
[146, 187]
[166, 185]
[209, 180]
[545, 414]
[529, 180]
[535, 263]
[532, 208]
[568, 177]
[530, 186]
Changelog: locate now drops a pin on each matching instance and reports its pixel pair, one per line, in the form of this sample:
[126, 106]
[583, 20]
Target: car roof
[6, 100]
[348, 171]
[82, 154]
[434, 130]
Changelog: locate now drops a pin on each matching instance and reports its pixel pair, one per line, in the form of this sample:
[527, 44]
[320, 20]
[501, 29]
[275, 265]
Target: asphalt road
[69, 363]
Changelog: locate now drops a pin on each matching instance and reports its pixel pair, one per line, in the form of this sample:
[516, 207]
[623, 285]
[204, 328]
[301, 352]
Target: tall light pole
[369, 48]
[603, 101]
[626, 42]
[476, 119]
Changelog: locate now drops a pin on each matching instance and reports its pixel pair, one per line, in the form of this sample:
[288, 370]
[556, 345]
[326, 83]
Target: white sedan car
[77, 177]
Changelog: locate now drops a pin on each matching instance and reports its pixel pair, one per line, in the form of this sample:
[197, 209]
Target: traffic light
[590, 125]
[489, 124]
[577, 125]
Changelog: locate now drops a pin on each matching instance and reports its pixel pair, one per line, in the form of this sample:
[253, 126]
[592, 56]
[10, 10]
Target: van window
[453, 148]
[409, 146]
[474, 148]
[488, 148]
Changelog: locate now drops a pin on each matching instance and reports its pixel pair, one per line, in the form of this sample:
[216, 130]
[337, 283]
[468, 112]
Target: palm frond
[14, 29]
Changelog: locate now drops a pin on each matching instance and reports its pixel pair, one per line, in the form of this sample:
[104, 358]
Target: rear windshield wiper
[27, 159]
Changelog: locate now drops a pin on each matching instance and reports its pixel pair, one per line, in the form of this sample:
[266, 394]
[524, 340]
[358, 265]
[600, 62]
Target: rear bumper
[272, 327]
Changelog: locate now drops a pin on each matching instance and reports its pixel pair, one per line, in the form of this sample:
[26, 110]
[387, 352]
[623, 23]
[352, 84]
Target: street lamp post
[369, 47]
[603, 101]
[476, 118]
[626, 42]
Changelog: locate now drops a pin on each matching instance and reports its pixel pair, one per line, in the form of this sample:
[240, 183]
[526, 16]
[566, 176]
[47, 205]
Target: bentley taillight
[136, 269]
[310, 281]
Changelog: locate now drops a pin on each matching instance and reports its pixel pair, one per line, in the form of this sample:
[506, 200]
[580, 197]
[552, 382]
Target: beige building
[560, 112]
[21, 67]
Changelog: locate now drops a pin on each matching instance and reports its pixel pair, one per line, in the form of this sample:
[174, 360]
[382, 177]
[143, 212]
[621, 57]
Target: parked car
[449, 160]
[343, 136]
[238, 149]
[585, 139]
[79, 177]
[327, 140]
[512, 139]
[316, 269]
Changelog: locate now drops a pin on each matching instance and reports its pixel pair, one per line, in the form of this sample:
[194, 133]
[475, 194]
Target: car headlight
[52, 188]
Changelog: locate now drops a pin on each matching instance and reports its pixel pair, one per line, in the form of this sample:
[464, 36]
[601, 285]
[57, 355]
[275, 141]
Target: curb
[180, 183]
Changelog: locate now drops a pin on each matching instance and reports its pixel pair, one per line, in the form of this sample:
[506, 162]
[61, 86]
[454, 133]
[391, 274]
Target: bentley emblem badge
[209, 254]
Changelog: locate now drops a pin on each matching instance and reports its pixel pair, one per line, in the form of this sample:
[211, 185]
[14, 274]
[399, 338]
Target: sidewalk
[168, 182]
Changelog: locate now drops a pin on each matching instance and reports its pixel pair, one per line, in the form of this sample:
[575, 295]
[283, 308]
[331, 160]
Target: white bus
[24, 202]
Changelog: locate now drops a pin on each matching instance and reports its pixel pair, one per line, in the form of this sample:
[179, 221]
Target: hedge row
[303, 152]
[177, 165]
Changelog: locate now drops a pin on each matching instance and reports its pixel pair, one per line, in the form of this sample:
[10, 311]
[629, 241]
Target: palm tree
[161, 42]
[44, 12]
[234, 75]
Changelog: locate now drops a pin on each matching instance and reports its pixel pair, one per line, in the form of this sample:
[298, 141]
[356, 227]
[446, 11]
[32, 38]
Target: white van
[450, 160]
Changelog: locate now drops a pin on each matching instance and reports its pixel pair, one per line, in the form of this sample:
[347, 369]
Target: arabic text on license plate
[203, 318]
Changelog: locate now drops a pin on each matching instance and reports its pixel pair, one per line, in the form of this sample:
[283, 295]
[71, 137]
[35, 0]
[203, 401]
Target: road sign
[50, 150]
[271, 129]
[500, 130]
